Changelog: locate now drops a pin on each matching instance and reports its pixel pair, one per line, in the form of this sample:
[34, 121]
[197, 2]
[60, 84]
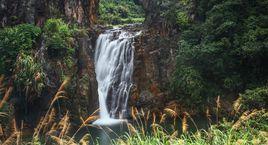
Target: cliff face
[154, 19]
[153, 68]
[86, 94]
[154, 52]
[82, 12]
[154, 59]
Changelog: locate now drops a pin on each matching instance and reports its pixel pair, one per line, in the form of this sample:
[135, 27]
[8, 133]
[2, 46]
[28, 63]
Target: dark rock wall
[153, 67]
[86, 97]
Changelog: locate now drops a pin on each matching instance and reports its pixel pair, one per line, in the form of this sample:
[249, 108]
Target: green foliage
[58, 38]
[29, 76]
[255, 98]
[226, 46]
[176, 12]
[120, 12]
[14, 40]
[189, 83]
[250, 131]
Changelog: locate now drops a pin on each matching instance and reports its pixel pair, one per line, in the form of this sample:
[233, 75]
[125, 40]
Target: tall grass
[146, 127]
[243, 131]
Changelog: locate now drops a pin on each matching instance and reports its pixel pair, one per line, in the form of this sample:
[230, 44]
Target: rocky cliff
[153, 68]
[82, 91]
[153, 65]
[82, 12]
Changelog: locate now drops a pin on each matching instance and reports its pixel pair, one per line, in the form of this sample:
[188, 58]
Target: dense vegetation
[23, 74]
[20, 38]
[222, 51]
[120, 12]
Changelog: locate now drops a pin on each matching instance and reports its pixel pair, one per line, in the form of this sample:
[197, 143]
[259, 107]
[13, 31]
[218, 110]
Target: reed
[208, 116]
[2, 85]
[223, 133]
[218, 106]
[163, 118]
[184, 124]
[237, 105]
[6, 97]
[59, 94]
[247, 115]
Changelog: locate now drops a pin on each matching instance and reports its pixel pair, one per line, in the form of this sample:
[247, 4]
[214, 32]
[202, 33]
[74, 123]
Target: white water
[114, 68]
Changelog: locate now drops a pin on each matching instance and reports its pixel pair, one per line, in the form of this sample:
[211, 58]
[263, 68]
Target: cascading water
[114, 68]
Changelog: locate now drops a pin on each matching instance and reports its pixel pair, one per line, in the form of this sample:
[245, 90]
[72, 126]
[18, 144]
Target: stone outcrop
[86, 96]
[153, 68]
[153, 18]
[82, 12]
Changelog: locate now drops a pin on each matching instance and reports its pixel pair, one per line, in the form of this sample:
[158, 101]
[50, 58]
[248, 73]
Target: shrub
[14, 40]
[29, 77]
[57, 36]
[119, 12]
[226, 45]
[255, 98]
[189, 84]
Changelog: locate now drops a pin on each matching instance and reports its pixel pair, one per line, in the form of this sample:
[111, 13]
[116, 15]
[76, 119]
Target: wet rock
[154, 64]
[87, 96]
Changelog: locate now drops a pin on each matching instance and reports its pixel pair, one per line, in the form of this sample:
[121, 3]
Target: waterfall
[114, 68]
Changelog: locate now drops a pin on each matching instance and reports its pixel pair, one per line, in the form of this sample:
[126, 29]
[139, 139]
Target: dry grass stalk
[208, 115]
[237, 105]
[57, 96]
[133, 114]
[2, 114]
[171, 112]
[131, 128]
[2, 85]
[19, 135]
[142, 113]
[1, 130]
[148, 115]
[174, 134]
[2, 78]
[154, 118]
[2, 81]
[64, 124]
[6, 96]
[57, 140]
[85, 140]
[218, 106]
[245, 117]
[136, 110]
[92, 118]
[12, 140]
[184, 124]
[95, 112]
[192, 120]
[163, 118]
